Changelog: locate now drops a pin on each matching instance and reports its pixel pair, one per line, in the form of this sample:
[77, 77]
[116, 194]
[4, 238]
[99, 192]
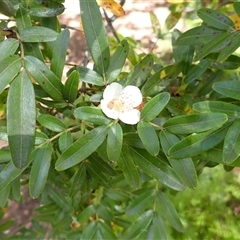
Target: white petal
[112, 91]
[132, 94]
[111, 113]
[130, 117]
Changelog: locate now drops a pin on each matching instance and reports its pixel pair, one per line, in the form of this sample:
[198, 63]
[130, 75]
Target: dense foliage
[98, 177]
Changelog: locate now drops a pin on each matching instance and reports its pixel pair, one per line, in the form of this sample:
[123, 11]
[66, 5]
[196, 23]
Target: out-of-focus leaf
[40, 168]
[4, 195]
[92, 114]
[59, 53]
[45, 77]
[228, 88]
[82, 148]
[148, 137]
[154, 106]
[157, 169]
[8, 47]
[229, 109]
[96, 35]
[9, 68]
[90, 230]
[5, 155]
[86, 213]
[155, 24]
[172, 19]
[215, 19]
[107, 232]
[70, 89]
[117, 61]
[231, 150]
[21, 119]
[114, 142]
[7, 8]
[51, 122]
[65, 141]
[104, 212]
[38, 34]
[6, 225]
[112, 6]
[195, 123]
[127, 165]
[16, 189]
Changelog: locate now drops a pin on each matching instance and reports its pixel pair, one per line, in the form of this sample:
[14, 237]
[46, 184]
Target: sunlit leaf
[112, 6]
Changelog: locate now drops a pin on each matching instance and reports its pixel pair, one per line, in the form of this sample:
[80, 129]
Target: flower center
[117, 105]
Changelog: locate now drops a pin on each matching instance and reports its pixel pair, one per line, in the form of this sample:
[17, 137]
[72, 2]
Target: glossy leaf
[40, 168]
[59, 53]
[117, 61]
[51, 122]
[231, 150]
[9, 68]
[157, 169]
[148, 137]
[96, 35]
[197, 143]
[70, 89]
[114, 142]
[229, 109]
[38, 34]
[21, 119]
[140, 72]
[215, 19]
[44, 76]
[195, 123]
[92, 115]
[184, 168]
[127, 165]
[82, 148]
[228, 88]
[154, 106]
[8, 47]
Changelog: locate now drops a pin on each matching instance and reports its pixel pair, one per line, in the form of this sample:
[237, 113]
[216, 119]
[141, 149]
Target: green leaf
[168, 211]
[139, 225]
[172, 19]
[157, 169]
[158, 227]
[90, 230]
[82, 148]
[132, 139]
[65, 141]
[86, 213]
[236, 6]
[40, 168]
[4, 196]
[21, 119]
[154, 106]
[38, 34]
[106, 231]
[16, 189]
[148, 137]
[195, 123]
[8, 47]
[140, 72]
[9, 68]
[51, 122]
[141, 202]
[117, 61]
[229, 109]
[231, 150]
[196, 71]
[59, 53]
[92, 114]
[114, 142]
[215, 19]
[184, 168]
[7, 8]
[90, 76]
[70, 89]
[197, 143]
[96, 35]
[5, 155]
[45, 77]
[228, 88]
[127, 165]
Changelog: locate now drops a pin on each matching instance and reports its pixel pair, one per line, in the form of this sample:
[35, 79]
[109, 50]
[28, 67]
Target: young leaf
[59, 53]
[21, 119]
[114, 142]
[228, 88]
[82, 148]
[51, 122]
[148, 137]
[96, 35]
[195, 123]
[117, 61]
[70, 89]
[231, 150]
[8, 47]
[40, 168]
[154, 106]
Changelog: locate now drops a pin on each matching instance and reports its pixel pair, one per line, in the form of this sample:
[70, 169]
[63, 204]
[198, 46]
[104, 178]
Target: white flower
[121, 103]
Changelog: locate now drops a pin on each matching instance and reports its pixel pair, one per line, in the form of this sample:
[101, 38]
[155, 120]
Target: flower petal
[112, 91]
[132, 94]
[131, 117]
[111, 113]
